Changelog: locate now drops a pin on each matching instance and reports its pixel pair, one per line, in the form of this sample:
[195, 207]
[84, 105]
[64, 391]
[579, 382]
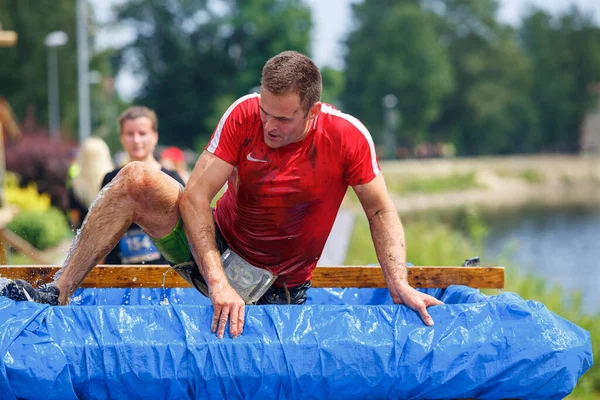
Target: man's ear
[314, 110]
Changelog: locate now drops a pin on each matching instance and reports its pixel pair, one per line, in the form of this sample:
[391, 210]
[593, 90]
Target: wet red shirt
[280, 204]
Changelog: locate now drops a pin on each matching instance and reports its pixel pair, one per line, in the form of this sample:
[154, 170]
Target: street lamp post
[83, 87]
[53, 41]
[390, 124]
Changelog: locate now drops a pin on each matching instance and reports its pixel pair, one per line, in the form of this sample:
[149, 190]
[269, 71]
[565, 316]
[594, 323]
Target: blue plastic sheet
[362, 346]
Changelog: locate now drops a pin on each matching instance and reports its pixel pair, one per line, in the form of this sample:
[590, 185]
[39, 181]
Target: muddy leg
[140, 194]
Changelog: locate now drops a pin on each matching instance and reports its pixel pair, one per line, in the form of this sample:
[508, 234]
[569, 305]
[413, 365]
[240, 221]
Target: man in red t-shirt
[288, 160]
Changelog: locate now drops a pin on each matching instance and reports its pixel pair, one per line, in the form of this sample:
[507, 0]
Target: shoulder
[335, 121]
[233, 125]
[244, 106]
[173, 174]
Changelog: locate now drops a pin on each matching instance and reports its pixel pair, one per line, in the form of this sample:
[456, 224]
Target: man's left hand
[416, 300]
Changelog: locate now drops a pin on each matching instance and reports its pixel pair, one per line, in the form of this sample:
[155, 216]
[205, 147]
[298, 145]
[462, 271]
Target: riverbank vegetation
[436, 239]
[455, 181]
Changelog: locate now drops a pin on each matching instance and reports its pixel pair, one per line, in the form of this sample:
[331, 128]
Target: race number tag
[137, 247]
[249, 282]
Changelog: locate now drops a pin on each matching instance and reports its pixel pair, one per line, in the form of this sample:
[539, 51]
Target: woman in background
[138, 132]
[92, 163]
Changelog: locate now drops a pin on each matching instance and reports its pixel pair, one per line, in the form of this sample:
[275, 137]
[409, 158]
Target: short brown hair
[136, 112]
[292, 72]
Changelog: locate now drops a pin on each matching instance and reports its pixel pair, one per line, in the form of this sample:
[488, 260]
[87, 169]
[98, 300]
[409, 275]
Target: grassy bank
[450, 239]
[491, 182]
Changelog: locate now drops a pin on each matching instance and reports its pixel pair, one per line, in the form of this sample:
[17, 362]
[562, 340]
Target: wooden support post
[7, 213]
[151, 276]
[3, 250]
[7, 39]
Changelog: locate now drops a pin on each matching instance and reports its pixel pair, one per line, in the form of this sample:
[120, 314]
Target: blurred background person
[138, 133]
[93, 162]
[174, 158]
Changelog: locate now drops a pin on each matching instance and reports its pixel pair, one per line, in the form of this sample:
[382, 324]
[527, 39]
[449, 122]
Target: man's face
[138, 138]
[283, 118]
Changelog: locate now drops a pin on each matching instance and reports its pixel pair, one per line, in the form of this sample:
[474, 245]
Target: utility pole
[83, 80]
[52, 41]
[391, 120]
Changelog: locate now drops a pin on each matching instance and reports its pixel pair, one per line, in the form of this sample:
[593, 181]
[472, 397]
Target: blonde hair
[94, 162]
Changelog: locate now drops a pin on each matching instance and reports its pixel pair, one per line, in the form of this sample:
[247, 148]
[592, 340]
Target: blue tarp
[346, 343]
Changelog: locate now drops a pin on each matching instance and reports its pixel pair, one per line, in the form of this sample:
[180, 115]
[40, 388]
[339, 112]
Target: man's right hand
[228, 306]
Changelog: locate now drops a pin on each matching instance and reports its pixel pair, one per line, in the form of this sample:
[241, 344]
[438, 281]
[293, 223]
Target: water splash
[165, 301]
[4, 282]
[77, 239]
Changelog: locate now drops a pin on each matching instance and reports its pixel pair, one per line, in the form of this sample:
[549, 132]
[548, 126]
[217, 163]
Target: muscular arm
[388, 238]
[208, 177]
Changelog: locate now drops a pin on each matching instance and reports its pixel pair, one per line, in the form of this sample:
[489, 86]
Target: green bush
[43, 229]
[430, 240]
[26, 198]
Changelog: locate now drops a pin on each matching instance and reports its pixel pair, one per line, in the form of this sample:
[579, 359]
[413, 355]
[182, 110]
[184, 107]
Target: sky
[332, 22]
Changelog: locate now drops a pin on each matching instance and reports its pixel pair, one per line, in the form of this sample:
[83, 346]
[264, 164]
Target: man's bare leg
[140, 194]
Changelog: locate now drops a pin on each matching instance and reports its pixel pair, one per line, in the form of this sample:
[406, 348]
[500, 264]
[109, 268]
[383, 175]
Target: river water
[561, 245]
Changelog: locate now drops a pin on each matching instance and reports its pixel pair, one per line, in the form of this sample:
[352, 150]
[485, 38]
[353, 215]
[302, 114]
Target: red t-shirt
[280, 204]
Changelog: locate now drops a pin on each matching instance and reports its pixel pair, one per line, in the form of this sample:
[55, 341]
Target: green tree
[195, 60]
[565, 52]
[394, 49]
[490, 111]
[105, 102]
[333, 85]
[23, 69]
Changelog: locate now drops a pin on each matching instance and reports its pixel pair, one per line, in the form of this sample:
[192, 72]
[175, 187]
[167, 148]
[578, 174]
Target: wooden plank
[421, 277]
[151, 276]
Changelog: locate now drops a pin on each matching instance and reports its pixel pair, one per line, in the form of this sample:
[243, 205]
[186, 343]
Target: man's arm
[208, 177]
[388, 237]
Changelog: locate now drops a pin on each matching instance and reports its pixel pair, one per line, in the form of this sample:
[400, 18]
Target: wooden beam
[8, 38]
[23, 246]
[151, 276]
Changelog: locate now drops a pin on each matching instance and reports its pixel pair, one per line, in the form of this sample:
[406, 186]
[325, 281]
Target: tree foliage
[490, 111]
[402, 56]
[565, 53]
[37, 158]
[463, 77]
[24, 68]
[197, 58]
[460, 75]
